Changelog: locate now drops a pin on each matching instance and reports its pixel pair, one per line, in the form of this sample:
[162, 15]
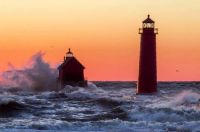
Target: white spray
[37, 76]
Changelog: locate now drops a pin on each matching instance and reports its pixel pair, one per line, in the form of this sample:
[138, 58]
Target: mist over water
[36, 75]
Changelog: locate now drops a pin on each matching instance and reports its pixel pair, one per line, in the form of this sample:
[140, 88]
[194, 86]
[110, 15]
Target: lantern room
[148, 23]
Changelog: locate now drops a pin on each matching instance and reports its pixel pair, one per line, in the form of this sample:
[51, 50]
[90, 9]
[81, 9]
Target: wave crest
[37, 75]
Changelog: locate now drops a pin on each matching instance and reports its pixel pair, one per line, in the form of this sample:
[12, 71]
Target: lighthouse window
[69, 55]
[148, 25]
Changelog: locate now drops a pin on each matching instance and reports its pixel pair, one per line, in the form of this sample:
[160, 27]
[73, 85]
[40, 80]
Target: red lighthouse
[147, 80]
[71, 72]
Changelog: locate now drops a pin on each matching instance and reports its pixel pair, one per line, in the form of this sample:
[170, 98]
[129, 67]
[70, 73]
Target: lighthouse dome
[148, 20]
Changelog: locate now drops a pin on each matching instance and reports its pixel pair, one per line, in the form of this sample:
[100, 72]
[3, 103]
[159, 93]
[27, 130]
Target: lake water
[102, 106]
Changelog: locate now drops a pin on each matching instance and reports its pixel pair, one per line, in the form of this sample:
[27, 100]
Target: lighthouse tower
[147, 80]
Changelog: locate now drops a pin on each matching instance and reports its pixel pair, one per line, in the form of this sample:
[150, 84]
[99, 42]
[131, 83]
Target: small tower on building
[71, 72]
[147, 80]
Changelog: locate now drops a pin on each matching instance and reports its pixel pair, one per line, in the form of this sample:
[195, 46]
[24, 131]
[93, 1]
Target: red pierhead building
[147, 80]
[71, 72]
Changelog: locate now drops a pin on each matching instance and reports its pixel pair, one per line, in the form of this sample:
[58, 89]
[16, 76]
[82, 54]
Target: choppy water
[102, 106]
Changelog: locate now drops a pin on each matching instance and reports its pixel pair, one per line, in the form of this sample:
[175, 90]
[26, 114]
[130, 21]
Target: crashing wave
[36, 75]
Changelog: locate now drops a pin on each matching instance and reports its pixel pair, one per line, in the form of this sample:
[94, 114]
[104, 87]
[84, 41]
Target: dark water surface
[102, 106]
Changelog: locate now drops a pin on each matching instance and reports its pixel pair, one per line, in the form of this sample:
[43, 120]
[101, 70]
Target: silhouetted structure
[71, 72]
[147, 81]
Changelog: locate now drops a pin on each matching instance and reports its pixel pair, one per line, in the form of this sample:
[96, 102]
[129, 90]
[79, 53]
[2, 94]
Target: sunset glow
[103, 35]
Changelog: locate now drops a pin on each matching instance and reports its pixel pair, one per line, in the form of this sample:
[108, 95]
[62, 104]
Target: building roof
[148, 20]
[70, 60]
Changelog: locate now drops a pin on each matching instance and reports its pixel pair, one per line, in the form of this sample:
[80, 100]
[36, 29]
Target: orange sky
[103, 34]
